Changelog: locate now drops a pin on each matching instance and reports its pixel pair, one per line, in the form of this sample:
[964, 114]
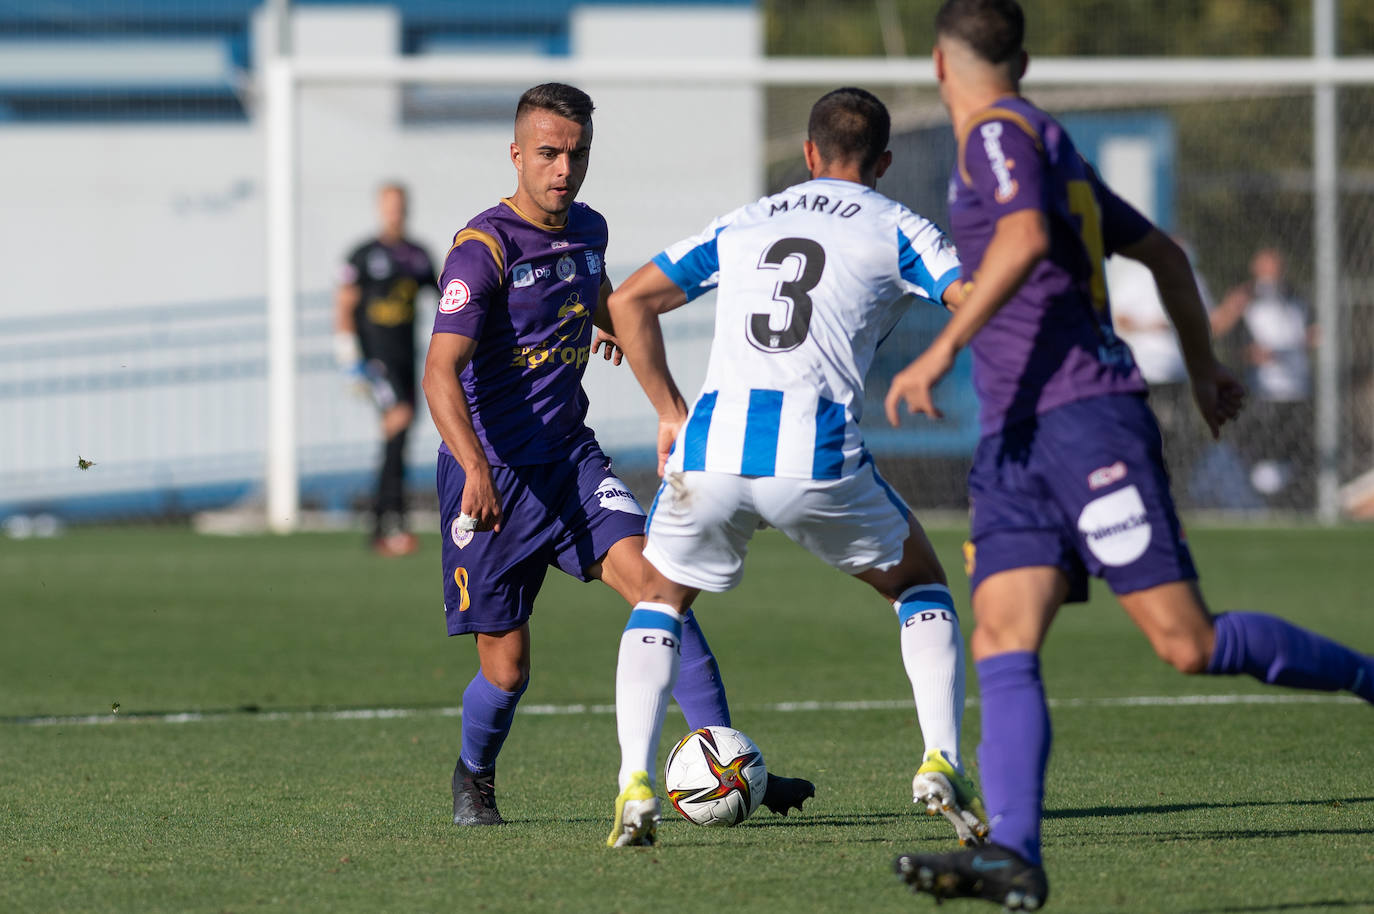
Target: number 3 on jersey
[810, 257]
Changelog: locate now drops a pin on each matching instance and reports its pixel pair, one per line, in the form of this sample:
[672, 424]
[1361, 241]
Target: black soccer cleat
[990, 872]
[784, 794]
[474, 797]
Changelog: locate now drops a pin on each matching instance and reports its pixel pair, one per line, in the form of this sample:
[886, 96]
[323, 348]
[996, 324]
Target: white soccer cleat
[940, 787]
[637, 814]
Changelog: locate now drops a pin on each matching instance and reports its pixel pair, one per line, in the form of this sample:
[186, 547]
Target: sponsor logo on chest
[565, 269]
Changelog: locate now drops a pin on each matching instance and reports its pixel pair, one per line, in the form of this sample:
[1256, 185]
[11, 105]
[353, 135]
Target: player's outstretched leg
[1280, 653]
[991, 873]
[700, 692]
[943, 789]
[645, 672]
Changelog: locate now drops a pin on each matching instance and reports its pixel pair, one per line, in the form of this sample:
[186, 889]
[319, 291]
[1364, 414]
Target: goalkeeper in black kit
[374, 339]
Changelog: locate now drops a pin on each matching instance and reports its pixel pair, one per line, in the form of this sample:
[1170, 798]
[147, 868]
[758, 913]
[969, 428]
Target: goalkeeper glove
[348, 356]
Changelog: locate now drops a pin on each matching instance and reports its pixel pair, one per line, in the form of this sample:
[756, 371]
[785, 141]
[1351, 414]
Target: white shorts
[700, 523]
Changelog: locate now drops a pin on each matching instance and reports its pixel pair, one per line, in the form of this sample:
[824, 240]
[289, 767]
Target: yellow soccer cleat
[945, 790]
[637, 814]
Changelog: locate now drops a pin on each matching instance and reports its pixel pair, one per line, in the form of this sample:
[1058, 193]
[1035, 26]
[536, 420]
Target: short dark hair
[995, 29]
[850, 124]
[560, 98]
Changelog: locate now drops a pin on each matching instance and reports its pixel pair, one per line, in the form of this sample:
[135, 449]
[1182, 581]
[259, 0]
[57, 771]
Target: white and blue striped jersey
[810, 281]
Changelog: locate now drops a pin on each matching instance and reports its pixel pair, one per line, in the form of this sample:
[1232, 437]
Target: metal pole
[1327, 266]
[283, 481]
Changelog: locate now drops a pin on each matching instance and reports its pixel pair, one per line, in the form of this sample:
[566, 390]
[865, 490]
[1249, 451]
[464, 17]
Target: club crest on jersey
[997, 159]
[566, 268]
[593, 262]
[456, 295]
[522, 276]
[1105, 476]
[460, 536]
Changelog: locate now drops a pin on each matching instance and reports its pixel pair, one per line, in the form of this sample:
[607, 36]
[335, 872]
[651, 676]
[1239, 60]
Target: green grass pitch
[261, 806]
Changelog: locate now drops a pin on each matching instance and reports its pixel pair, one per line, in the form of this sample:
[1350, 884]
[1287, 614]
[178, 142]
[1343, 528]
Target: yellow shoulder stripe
[992, 114]
[471, 234]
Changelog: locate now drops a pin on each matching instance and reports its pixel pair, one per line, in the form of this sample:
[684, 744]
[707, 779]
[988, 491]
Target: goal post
[283, 78]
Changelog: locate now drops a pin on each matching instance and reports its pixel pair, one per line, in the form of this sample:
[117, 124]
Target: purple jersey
[1052, 342]
[526, 294]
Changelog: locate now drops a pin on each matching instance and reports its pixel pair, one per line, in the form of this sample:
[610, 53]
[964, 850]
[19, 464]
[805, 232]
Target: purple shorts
[1082, 488]
[566, 514]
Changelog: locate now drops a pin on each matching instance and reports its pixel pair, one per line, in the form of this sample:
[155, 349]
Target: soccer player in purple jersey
[1068, 479]
[522, 482]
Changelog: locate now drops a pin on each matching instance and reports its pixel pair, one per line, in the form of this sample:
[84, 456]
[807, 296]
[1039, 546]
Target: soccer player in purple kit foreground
[522, 482]
[1068, 479]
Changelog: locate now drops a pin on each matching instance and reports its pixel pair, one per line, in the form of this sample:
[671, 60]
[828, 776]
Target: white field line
[1129, 701]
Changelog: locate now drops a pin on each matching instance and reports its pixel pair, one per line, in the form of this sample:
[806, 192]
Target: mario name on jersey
[819, 203]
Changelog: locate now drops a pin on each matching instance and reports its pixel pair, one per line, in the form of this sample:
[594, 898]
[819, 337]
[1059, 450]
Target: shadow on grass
[1237, 834]
[803, 820]
[1096, 812]
[809, 820]
[1362, 904]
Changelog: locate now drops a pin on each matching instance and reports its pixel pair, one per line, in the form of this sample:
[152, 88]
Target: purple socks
[1280, 653]
[1015, 749]
[700, 692]
[488, 711]
[487, 715]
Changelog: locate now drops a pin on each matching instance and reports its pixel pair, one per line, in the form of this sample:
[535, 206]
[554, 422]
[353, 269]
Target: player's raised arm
[1218, 393]
[634, 309]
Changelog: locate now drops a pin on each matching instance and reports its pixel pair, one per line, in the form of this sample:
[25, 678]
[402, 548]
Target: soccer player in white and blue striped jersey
[809, 281]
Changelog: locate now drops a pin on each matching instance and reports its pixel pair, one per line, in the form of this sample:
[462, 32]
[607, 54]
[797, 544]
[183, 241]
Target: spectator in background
[374, 340]
[1141, 321]
[1277, 333]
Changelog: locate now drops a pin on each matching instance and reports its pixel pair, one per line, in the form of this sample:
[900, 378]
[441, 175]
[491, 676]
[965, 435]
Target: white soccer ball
[715, 776]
